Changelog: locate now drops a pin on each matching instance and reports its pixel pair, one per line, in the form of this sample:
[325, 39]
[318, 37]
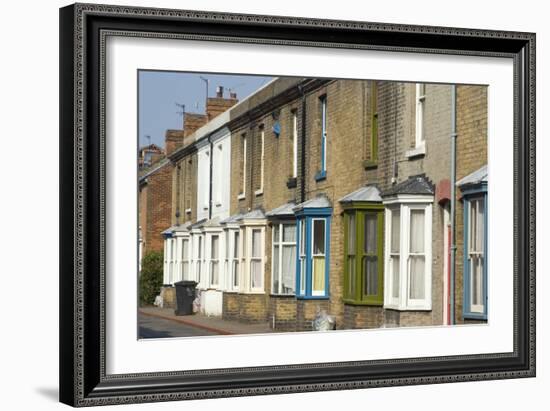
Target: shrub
[150, 279]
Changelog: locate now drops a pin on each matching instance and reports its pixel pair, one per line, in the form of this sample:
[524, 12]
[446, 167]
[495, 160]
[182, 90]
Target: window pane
[256, 273]
[318, 274]
[477, 212]
[318, 237]
[370, 233]
[289, 233]
[395, 277]
[417, 231]
[215, 244]
[417, 284]
[185, 269]
[235, 273]
[214, 273]
[275, 271]
[302, 274]
[256, 243]
[351, 234]
[276, 233]
[185, 250]
[289, 268]
[476, 268]
[370, 273]
[236, 245]
[302, 237]
[352, 277]
[395, 227]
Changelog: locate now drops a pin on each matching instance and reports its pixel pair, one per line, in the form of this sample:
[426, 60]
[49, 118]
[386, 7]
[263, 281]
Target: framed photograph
[262, 204]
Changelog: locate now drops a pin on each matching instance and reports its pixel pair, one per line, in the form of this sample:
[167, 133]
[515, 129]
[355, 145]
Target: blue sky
[160, 91]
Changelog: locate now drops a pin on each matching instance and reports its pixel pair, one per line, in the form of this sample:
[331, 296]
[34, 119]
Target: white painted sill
[417, 151]
[241, 196]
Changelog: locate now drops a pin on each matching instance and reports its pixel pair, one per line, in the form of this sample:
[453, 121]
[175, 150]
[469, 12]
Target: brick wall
[155, 208]
[282, 313]
[471, 152]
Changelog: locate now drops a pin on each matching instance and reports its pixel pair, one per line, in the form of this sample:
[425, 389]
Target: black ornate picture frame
[83, 30]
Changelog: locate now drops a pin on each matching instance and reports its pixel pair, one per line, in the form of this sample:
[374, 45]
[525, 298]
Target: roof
[231, 219]
[321, 201]
[418, 184]
[153, 169]
[284, 210]
[368, 193]
[256, 214]
[169, 230]
[214, 222]
[198, 224]
[477, 177]
[182, 227]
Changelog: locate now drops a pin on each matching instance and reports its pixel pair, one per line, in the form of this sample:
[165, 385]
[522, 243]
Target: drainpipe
[303, 156]
[210, 177]
[453, 201]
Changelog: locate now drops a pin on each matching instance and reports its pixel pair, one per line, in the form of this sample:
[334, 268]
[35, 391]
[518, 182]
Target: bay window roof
[182, 227]
[369, 193]
[256, 214]
[168, 232]
[232, 219]
[286, 210]
[477, 177]
[414, 185]
[321, 201]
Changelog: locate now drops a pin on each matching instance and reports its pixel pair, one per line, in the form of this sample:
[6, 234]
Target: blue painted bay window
[474, 197]
[313, 244]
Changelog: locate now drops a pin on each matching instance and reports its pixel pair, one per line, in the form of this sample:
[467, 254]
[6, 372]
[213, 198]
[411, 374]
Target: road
[154, 327]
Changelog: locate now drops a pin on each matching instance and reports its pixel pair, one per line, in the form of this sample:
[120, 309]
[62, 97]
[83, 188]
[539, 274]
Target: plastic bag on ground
[323, 321]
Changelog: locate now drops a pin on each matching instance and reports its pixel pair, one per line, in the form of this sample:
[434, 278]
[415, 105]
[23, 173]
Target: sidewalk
[212, 324]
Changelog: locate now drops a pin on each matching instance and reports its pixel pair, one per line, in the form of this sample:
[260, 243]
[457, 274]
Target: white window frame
[260, 190]
[214, 262]
[324, 133]
[245, 280]
[420, 99]
[185, 260]
[280, 243]
[199, 263]
[404, 302]
[475, 308]
[235, 257]
[242, 194]
[313, 255]
[294, 143]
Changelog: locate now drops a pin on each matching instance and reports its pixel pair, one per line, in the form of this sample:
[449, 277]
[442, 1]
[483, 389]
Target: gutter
[453, 204]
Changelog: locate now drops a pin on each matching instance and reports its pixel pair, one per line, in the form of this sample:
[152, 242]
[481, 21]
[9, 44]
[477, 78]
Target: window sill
[241, 196]
[321, 175]
[188, 211]
[282, 295]
[370, 164]
[418, 151]
[364, 303]
[252, 292]
[218, 204]
[259, 192]
[398, 308]
[474, 316]
[312, 297]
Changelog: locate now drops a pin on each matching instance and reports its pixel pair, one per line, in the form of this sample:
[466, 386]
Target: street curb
[190, 323]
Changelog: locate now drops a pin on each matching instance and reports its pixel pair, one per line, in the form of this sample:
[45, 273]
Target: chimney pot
[219, 91]
[233, 95]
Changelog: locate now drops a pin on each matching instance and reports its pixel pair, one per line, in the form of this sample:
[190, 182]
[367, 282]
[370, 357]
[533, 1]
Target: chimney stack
[219, 92]
[233, 95]
[219, 104]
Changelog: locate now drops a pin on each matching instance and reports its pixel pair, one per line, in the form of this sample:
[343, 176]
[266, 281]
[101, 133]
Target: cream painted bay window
[284, 258]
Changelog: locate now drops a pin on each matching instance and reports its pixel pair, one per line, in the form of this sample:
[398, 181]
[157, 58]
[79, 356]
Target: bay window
[252, 232]
[283, 273]
[363, 247]
[214, 260]
[409, 270]
[408, 244]
[313, 261]
[185, 258]
[474, 190]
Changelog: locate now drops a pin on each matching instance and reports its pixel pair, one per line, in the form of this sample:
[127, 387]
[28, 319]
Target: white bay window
[283, 258]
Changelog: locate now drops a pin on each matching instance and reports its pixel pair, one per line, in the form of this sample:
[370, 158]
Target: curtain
[289, 268]
[370, 233]
[318, 274]
[395, 276]
[256, 273]
[417, 285]
[417, 231]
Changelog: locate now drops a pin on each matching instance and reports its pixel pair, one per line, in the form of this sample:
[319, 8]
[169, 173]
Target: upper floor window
[324, 134]
[294, 143]
[242, 191]
[261, 155]
[420, 109]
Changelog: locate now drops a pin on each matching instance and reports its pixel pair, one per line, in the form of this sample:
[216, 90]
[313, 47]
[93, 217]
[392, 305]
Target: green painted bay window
[363, 247]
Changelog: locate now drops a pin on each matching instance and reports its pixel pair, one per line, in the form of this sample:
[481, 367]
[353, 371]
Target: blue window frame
[322, 174]
[313, 256]
[475, 253]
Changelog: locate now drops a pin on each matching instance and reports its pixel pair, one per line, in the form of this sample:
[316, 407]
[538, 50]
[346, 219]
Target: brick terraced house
[316, 195]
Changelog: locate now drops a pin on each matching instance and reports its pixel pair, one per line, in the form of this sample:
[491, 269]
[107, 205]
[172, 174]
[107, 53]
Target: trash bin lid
[185, 283]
